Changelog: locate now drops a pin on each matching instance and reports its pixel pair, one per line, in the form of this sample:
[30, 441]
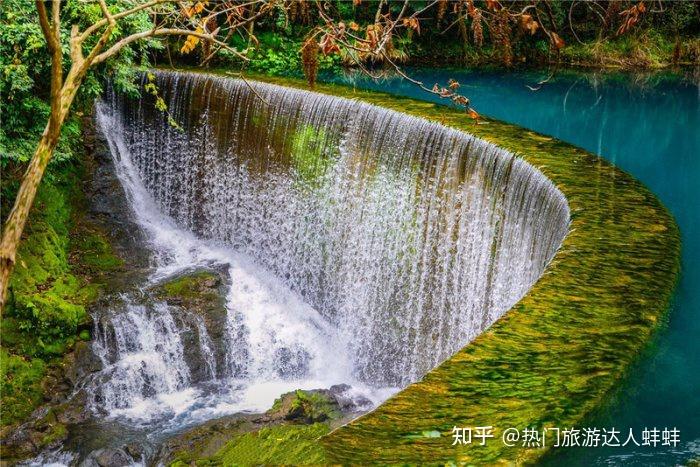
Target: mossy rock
[191, 288]
[198, 298]
[306, 406]
[201, 293]
[45, 431]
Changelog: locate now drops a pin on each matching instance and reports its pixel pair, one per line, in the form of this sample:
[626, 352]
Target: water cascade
[360, 245]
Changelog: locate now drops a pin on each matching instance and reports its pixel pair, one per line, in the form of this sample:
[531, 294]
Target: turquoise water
[648, 126]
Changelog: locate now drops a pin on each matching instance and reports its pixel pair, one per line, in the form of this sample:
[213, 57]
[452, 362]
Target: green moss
[56, 432]
[20, 386]
[61, 262]
[191, 286]
[47, 302]
[284, 444]
[96, 252]
[308, 155]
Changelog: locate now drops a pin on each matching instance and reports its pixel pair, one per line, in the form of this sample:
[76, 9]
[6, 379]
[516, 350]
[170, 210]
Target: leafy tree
[98, 32]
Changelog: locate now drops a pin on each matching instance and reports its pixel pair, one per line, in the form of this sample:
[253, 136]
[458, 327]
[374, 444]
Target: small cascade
[359, 245]
[143, 355]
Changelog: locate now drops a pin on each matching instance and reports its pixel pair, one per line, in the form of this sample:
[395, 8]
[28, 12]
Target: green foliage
[25, 70]
[279, 54]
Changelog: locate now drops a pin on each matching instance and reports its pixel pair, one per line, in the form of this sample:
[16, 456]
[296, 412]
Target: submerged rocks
[108, 457]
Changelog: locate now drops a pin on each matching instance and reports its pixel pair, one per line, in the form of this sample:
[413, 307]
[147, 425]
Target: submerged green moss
[284, 444]
[308, 156]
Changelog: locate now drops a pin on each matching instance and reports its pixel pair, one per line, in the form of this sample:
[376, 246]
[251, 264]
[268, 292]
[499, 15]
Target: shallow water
[648, 125]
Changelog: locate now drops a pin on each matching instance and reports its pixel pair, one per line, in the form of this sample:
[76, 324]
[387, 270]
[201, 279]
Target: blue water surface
[649, 126]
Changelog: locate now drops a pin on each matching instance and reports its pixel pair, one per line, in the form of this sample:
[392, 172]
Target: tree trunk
[14, 225]
[17, 219]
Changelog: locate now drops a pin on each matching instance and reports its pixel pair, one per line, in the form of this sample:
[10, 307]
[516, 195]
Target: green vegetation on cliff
[61, 265]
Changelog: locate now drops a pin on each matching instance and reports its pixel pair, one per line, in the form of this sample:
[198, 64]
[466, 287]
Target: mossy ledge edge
[552, 359]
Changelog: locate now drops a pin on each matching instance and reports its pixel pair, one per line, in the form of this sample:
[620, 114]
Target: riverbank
[650, 51]
[644, 52]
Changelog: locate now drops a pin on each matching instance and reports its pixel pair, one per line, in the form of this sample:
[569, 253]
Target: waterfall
[362, 245]
[142, 355]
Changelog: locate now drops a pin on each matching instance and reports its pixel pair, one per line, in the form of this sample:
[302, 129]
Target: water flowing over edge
[406, 214]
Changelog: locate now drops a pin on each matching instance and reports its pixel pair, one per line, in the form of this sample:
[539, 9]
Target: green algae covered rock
[305, 406]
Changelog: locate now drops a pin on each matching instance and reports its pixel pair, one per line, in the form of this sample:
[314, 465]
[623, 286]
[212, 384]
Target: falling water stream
[359, 246]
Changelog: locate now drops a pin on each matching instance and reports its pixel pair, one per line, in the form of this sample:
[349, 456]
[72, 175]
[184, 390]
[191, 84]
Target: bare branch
[250, 86]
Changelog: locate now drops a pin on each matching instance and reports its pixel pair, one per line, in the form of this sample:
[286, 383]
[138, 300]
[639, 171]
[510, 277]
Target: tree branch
[46, 29]
[104, 38]
[162, 32]
[52, 34]
[121, 14]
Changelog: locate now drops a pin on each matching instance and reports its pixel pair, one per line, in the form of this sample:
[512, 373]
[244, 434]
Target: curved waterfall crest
[362, 245]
